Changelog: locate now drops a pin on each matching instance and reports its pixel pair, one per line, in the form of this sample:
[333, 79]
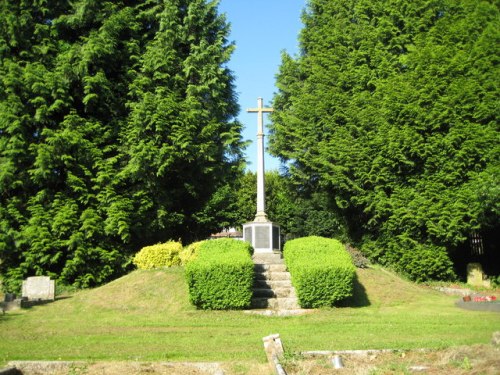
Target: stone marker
[337, 362]
[476, 276]
[39, 288]
[274, 352]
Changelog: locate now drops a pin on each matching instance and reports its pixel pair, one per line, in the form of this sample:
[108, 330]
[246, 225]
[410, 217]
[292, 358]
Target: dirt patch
[153, 368]
[470, 360]
[477, 359]
[138, 368]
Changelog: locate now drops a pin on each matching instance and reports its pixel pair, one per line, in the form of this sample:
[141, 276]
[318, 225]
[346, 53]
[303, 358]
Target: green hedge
[420, 262]
[189, 252]
[322, 270]
[221, 275]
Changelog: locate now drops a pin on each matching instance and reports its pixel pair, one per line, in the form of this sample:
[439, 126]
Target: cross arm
[257, 110]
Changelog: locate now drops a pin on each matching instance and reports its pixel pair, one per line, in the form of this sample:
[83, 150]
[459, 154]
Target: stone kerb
[39, 288]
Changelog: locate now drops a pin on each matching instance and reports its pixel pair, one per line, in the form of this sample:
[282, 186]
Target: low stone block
[476, 276]
[39, 288]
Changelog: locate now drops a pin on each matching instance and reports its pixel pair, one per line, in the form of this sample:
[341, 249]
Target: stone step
[269, 267]
[272, 275]
[264, 283]
[270, 293]
[263, 293]
[268, 258]
[288, 303]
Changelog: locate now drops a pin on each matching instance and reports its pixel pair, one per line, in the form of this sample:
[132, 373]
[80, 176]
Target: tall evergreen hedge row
[221, 275]
[322, 270]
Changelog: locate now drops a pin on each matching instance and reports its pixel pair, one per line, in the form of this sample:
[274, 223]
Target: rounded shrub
[158, 256]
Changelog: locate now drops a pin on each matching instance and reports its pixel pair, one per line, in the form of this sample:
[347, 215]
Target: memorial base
[265, 237]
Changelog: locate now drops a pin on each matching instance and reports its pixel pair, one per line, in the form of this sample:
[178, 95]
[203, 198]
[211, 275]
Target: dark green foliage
[116, 130]
[280, 206]
[423, 263]
[322, 270]
[392, 111]
[179, 134]
[420, 262]
[299, 214]
[221, 275]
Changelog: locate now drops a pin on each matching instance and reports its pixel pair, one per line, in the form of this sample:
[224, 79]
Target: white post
[261, 202]
[261, 205]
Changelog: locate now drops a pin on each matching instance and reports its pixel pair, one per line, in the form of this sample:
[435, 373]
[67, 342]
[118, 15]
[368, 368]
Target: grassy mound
[146, 316]
[144, 291]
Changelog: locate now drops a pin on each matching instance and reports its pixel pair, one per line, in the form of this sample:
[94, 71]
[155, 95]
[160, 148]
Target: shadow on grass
[32, 303]
[5, 316]
[28, 304]
[359, 297]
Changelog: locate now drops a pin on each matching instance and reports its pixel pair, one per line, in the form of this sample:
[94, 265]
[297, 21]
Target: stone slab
[273, 275]
[270, 267]
[38, 288]
[476, 276]
[264, 236]
[273, 284]
[281, 303]
[268, 258]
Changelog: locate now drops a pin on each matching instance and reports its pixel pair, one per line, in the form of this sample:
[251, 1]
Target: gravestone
[39, 288]
[476, 276]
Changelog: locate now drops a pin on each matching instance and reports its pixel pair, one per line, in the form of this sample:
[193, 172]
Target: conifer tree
[392, 109]
[116, 130]
[181, 141]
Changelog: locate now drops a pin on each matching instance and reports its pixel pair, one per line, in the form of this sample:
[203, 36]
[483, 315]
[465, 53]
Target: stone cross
[261, 205]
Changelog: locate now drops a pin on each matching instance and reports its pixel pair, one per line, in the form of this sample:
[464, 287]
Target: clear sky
[261, 30]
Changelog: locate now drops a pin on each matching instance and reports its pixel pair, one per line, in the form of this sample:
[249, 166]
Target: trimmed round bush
[158, 256]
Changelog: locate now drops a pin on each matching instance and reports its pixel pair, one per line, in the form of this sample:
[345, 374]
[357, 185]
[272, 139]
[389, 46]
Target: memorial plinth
[264, 237]
[263, 234]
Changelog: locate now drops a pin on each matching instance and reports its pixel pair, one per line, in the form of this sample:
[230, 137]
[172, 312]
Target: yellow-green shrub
[159, 255]
[188, 253]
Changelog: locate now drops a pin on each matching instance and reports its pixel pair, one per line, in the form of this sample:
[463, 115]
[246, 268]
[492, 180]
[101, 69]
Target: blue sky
[261, 30]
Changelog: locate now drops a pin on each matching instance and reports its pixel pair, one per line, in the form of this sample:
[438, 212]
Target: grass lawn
[146, 316]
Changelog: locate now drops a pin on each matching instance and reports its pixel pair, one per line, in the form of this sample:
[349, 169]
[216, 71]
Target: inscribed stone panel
[247, 235]
[262, 237]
